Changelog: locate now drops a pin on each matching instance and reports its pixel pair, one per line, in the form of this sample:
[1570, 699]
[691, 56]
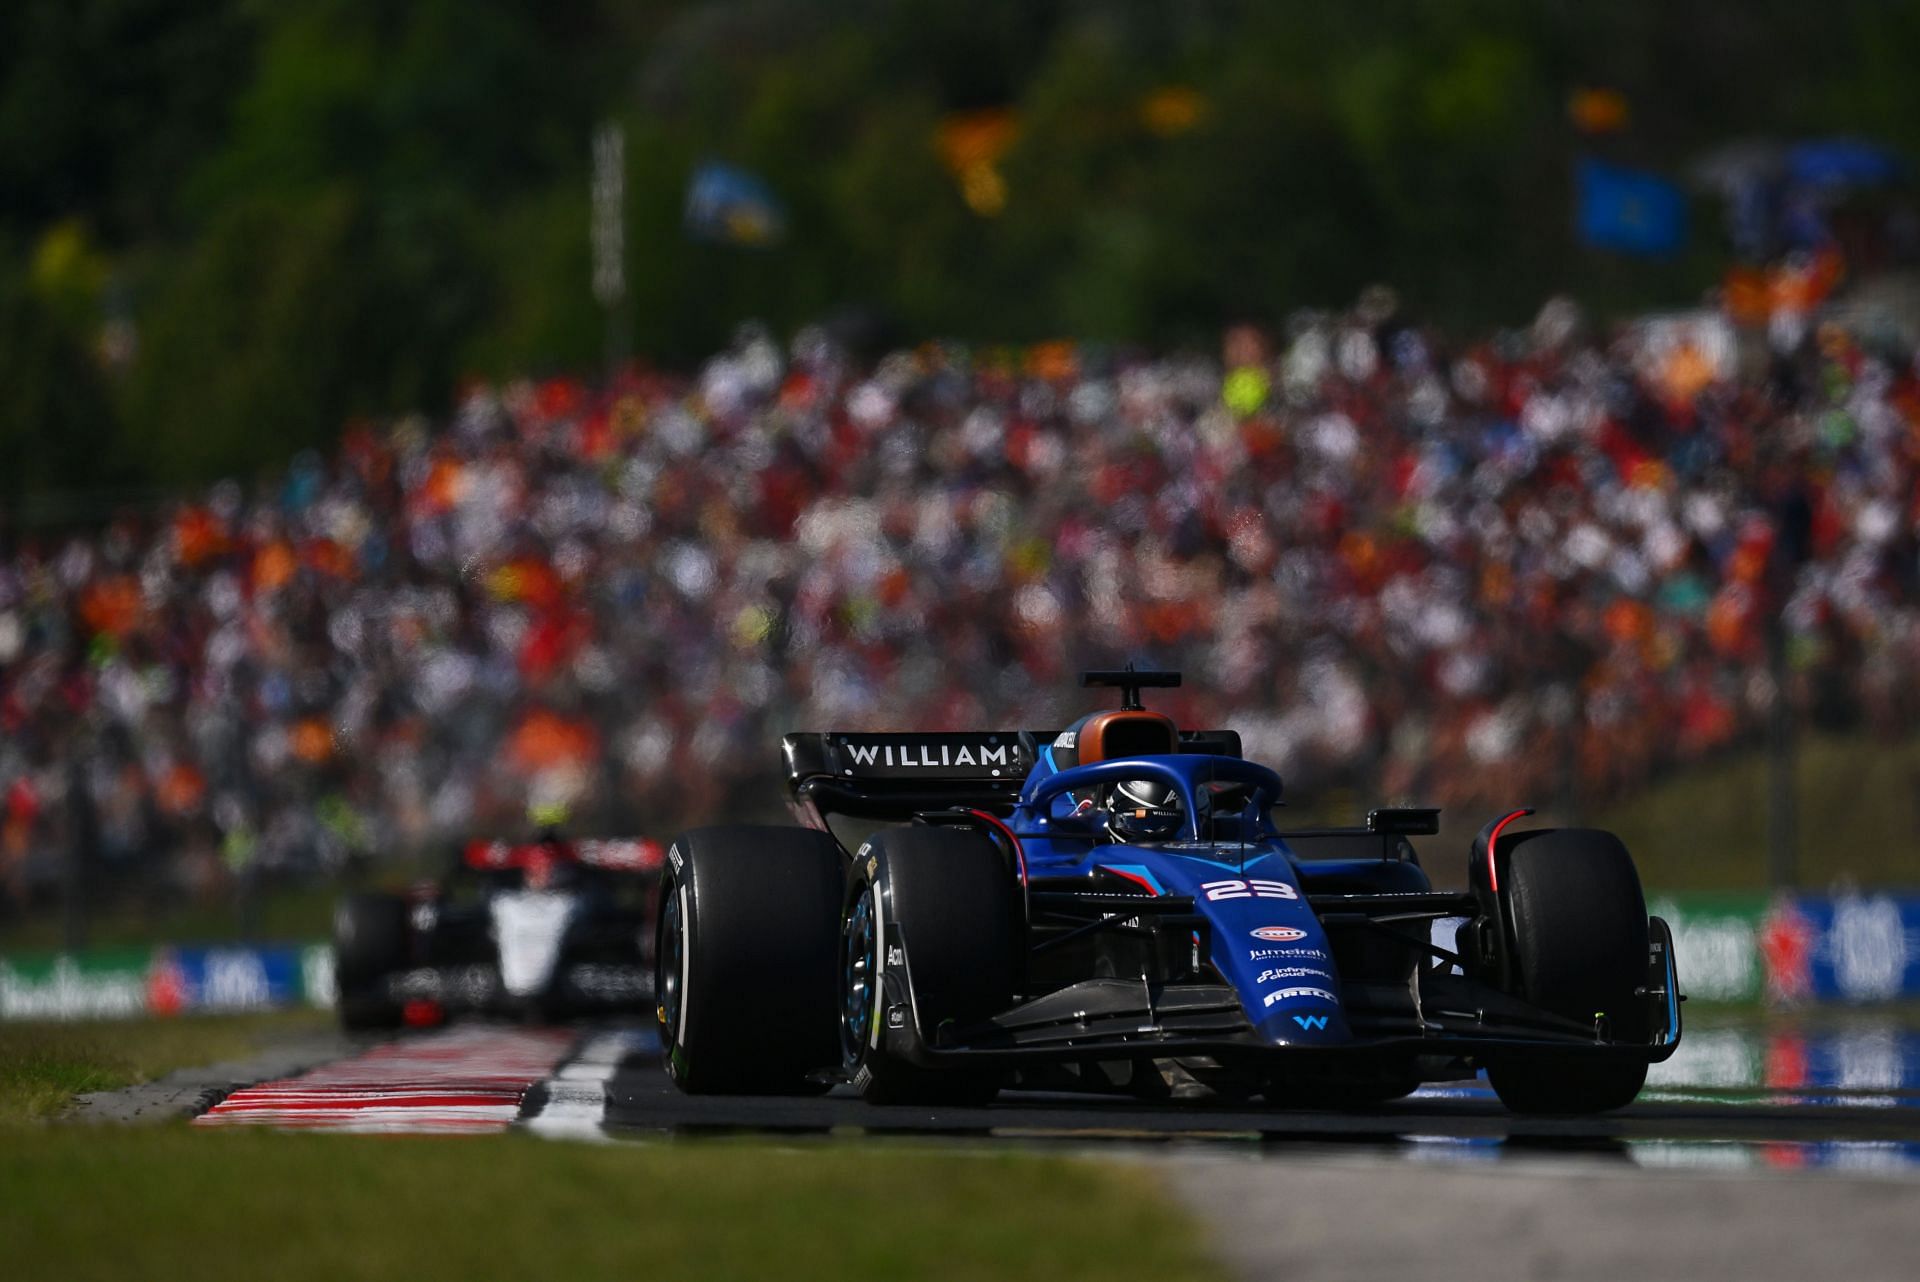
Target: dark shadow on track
[642, 1100]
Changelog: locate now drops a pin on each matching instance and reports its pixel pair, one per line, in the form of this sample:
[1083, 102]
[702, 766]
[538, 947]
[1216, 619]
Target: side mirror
[1407, 821]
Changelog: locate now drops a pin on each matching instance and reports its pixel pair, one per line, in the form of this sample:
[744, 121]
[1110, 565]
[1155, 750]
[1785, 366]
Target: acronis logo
[1315, 1023]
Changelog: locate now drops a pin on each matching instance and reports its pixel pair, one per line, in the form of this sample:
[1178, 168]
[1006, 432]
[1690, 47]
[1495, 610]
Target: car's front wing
[1451, 1016]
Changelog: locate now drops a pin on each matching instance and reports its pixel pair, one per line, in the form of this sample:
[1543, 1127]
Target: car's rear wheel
[1579, 944]
[939, 903]
[369, 946]
[745, 975]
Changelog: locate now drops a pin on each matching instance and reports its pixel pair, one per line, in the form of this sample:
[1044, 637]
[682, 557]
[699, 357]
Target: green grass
[290, 914]
[1859, 819]
[173, 1202]
[44, 1065]
[1706, 828]
[101, 1202]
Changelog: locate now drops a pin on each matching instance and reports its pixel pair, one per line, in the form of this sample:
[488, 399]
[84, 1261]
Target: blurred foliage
[56, 420]
[301, 211]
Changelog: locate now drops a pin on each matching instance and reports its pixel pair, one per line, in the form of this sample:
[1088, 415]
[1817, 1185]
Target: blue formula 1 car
[1112, 908]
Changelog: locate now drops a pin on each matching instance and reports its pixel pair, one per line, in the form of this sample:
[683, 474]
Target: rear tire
[1579, 950]
[746, 964]
[369, 944]
[948, 898]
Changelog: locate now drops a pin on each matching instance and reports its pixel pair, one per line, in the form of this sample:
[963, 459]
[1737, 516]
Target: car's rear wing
[641, 854]
[894, 776]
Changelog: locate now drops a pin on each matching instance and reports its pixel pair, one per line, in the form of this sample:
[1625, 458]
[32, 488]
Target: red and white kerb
[467, 1079]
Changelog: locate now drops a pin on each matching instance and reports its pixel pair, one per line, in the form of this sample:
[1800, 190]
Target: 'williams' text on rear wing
[895, 775]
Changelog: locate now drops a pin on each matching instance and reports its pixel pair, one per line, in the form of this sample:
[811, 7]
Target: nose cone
[1269, 945]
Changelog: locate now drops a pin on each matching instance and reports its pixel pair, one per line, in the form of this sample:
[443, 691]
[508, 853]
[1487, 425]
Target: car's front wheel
[1579, 922]
[369, 946]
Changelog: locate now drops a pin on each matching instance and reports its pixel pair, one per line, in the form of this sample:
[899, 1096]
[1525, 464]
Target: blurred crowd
[1544, 565]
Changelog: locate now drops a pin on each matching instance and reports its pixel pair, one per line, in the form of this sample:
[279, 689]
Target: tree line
[229, 228]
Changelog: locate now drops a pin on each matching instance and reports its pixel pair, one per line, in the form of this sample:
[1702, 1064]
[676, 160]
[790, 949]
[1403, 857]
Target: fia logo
[1318, 1023]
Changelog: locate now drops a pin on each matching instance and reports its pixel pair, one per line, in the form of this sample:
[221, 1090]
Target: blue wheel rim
[859, 978]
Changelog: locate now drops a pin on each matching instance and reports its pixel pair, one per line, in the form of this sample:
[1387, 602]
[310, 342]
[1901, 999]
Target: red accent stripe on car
[1493, 868]
[999, 826]
[1135, 878]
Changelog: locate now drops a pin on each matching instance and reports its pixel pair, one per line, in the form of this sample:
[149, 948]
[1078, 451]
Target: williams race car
[1111, 908]
[540, 930]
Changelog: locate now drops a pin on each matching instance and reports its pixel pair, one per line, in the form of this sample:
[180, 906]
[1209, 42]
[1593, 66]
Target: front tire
[745, 963]
[369, 945]
[946, 896]
[1579, 923]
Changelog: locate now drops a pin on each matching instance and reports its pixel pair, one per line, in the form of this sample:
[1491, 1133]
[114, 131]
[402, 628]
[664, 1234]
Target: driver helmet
[545, 863]
[1144, 810]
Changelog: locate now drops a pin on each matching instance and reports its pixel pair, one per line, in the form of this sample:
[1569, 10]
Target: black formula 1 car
[1112, 908]
[540, 930]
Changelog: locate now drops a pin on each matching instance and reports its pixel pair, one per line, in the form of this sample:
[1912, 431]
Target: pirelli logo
[958, 756]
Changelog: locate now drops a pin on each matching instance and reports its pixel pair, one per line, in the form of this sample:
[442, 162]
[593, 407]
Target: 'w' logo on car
[1317, 1023]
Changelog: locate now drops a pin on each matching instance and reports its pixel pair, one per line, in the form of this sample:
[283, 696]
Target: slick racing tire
[369, 945]
[1579, 950]
[745, 963]
[938, 904]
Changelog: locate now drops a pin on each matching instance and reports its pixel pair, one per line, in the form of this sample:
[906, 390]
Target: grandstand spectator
[1456, 573]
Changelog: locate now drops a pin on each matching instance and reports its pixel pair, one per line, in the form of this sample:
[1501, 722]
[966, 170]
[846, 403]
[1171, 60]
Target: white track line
[576, 1105]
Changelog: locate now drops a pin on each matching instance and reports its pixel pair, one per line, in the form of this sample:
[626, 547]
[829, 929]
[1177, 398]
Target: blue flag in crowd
[733, 207]
[1628, 210]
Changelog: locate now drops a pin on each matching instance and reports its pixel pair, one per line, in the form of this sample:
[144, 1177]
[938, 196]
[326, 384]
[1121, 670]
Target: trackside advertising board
[1716, 944]
[110, 983]
[1850, 946]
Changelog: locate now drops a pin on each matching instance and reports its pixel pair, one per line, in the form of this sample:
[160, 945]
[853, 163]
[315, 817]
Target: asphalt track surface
[641, 1099]
[1816, 1180]
[1855, 1097]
